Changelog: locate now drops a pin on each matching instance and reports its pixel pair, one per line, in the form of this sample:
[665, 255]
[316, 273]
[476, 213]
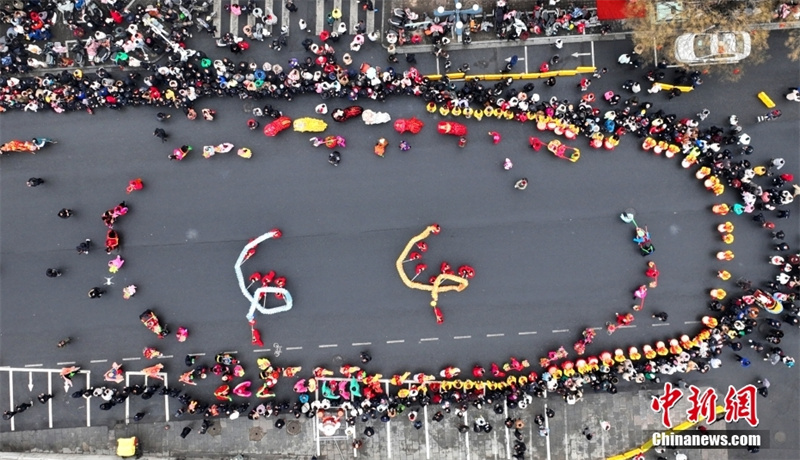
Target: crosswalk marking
[370, 22]
[280, 11]
[234, 20]
[353, 17]
[337, 4]
[217, 22]
[320, 26]
[285, 17]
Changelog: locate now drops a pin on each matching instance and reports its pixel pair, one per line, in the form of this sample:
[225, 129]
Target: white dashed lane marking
[526, 333]
[330, 345]
[293, 348]
[558, 331]
[429, 339]
[395, 341]
[361, 344]
[495, 335]
[459, 337]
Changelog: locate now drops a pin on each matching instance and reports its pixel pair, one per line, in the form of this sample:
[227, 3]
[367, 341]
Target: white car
[712, 48]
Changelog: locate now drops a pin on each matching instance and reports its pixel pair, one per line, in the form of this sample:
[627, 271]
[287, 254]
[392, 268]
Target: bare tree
[656, 24]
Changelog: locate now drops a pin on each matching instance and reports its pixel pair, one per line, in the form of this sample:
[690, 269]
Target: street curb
[506, 43]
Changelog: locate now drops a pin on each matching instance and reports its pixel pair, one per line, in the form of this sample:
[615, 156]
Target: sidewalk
[629, 415]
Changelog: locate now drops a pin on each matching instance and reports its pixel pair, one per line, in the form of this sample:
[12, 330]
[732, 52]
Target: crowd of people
[719, 152]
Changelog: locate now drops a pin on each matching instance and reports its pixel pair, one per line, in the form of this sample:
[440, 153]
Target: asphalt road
[554, 257]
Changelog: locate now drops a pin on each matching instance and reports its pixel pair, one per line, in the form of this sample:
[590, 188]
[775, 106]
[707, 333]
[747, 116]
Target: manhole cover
[256, 433]
[293, 427]
[780, 436]
[215, 430]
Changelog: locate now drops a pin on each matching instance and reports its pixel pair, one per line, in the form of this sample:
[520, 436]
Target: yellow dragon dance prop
[436, 283]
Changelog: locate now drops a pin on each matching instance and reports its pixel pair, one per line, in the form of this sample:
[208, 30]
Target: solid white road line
[526, 59]
[11, 396]
[466, 435]
[547, 426]
[89, 406]
[50, 401]
[388, 430]
[427, 441]
[286, 18]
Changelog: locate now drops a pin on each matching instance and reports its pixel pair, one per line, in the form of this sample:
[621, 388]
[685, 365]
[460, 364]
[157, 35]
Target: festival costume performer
[115, 374]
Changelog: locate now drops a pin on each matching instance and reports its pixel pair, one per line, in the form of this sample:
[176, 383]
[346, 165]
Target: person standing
[743, 361]
[65, 213]
[161, 134]
[96, 293]
[84, 247]
[52, 272]
[35, 182]
[661, 316]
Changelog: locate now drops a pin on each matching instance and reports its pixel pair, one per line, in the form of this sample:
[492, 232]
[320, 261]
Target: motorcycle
[79, 54]
[63, 343]
[406, 14]
[769, 116]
